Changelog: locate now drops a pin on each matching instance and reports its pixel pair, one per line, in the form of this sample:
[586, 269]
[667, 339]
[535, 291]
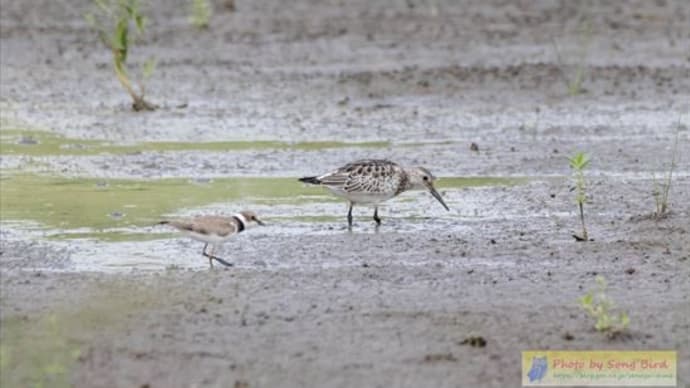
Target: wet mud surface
[94, 295]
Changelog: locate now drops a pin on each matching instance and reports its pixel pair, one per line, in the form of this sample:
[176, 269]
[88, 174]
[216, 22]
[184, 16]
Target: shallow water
[16, 141]
[109, 225]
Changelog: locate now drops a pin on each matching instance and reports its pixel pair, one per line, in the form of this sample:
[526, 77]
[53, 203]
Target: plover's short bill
[214, 230]
[372, 181]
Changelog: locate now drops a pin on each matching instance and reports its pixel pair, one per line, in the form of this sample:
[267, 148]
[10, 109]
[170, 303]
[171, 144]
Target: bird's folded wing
[206, 225]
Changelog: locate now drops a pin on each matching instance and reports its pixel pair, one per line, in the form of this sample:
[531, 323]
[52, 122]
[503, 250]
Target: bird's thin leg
[349, 217]
[376, 216]
[224, 262]
[212, 257]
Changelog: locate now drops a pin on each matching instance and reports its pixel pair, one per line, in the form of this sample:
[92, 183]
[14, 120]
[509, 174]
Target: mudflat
[93, 294]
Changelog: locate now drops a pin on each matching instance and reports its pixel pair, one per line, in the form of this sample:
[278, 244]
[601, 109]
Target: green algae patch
[111, 236]
[42, 143]
[460, 182]
[43, 351]
[38, 143]
[36, 354]
[65, 203]
[90, 208]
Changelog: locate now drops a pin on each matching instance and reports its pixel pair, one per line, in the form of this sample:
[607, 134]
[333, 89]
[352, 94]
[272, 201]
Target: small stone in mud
[27, 140]
[117, 214]
[568, 337]
[201, 181]
[492, 241]
[72, 146]
[440, 357]
[630, 271]
[474, 341]
[365, 265]
[474, 147]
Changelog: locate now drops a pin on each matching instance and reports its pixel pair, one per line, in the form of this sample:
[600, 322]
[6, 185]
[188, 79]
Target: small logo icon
[538, 370]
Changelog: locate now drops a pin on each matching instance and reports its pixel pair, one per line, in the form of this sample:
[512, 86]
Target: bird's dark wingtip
[310, 179]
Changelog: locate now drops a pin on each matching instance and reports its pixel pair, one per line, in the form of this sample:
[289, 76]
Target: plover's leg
[212, 257]
[349, 217]
[224, 262]
[376, 216]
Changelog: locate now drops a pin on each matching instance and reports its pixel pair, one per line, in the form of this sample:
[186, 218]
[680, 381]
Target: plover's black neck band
[240, 222]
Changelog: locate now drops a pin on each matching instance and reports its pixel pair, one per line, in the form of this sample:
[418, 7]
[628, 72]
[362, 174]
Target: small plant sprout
[661, 192]
[601, 308]
[114, 21]
[201, 12]
[578, 163]
[574, 82]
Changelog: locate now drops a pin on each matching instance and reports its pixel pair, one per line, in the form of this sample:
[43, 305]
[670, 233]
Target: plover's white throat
[214, 230]
[372, 181]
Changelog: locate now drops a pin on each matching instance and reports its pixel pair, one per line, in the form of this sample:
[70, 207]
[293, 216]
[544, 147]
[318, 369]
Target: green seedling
[661, 192]
[602, 309]
[578, 163]
[574, 82]
[119, 23]
[201, 12]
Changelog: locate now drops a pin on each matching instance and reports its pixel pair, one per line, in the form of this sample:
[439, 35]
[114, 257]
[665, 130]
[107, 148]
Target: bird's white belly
[363, 198]
[207, 238]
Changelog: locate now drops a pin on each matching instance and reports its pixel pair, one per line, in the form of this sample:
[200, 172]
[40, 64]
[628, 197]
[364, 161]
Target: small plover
[372, 181]
[214, 230]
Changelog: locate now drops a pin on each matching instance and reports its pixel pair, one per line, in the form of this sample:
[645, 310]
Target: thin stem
[667, 186]
[582, 219]
[122, 75]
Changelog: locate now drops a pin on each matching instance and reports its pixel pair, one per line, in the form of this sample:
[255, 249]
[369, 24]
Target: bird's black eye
[426, 178]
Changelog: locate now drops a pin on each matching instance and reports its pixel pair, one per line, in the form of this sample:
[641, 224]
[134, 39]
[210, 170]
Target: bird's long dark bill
[258, 221]
[436, 195]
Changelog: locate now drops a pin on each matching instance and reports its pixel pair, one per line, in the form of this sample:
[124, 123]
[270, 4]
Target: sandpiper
[372, 181]
[214, 230]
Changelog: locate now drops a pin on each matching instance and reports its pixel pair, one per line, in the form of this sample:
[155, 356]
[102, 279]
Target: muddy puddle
[110, 225]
